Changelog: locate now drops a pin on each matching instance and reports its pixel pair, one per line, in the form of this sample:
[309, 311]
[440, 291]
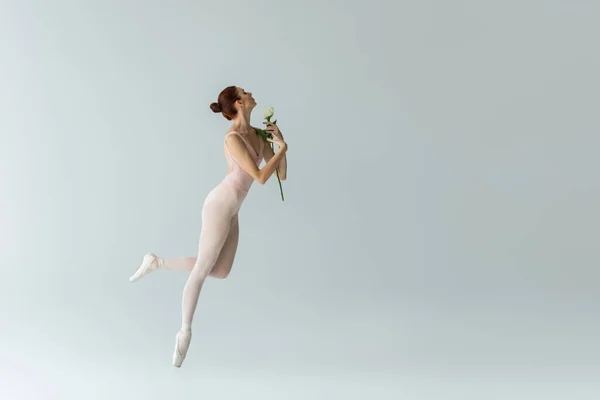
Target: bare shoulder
[232, 138]
[236, 145]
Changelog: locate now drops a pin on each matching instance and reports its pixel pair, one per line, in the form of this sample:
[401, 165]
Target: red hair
[226, 102]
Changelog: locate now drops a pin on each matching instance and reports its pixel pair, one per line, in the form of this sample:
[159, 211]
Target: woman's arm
[276, 132]
[239, 151]
[268, 154]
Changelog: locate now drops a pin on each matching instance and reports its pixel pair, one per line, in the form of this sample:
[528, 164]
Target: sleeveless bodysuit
[238, 177]
[219, 215]
[217, 244]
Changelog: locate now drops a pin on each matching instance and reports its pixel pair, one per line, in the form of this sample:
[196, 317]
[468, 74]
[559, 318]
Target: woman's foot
[149, 264]
[182, 343]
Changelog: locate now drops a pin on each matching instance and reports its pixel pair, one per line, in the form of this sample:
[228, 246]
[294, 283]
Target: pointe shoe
[149, 264]
[179, 356]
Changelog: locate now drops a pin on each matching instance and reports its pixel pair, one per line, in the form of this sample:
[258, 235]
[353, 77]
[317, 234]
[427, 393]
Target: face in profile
[246, 99]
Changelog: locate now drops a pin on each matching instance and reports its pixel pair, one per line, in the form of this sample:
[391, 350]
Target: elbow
[259, 177]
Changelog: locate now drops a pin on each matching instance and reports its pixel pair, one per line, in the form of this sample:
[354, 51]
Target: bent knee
[220, 274]
[198, 274]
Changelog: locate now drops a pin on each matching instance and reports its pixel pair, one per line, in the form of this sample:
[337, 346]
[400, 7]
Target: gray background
[439, 234]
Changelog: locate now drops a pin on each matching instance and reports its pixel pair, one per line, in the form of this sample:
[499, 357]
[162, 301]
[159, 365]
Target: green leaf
[262, 133]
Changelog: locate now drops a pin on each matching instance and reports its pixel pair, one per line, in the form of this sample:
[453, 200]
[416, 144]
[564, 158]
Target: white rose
[269, 111]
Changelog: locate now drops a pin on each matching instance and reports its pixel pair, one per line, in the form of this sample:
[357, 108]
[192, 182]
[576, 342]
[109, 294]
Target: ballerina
[244, 151]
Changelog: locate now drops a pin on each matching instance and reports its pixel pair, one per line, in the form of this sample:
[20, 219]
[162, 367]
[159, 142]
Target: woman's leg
[216, 226]
[224, 261]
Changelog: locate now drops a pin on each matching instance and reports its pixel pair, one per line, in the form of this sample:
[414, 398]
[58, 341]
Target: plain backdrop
[439, 234]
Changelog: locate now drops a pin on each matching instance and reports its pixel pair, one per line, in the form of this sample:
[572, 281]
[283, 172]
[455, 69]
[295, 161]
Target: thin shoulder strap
[241, 137]
[235, 161]
[248, 145]
[232, 133]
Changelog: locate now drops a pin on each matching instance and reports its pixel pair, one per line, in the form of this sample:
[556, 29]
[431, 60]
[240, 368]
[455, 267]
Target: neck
[241, 122]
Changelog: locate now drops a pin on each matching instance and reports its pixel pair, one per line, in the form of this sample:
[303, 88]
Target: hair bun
[216, 107]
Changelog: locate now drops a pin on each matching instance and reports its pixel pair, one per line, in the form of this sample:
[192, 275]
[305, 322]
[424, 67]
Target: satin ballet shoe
[179, 356]
[149, 264]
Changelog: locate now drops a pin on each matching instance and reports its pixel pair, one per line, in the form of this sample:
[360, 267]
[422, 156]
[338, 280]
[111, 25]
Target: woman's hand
[277, 137]
[273, 129]
[279, 142]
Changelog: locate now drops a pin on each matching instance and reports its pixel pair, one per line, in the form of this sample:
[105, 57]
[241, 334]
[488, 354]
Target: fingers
[270, 124]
